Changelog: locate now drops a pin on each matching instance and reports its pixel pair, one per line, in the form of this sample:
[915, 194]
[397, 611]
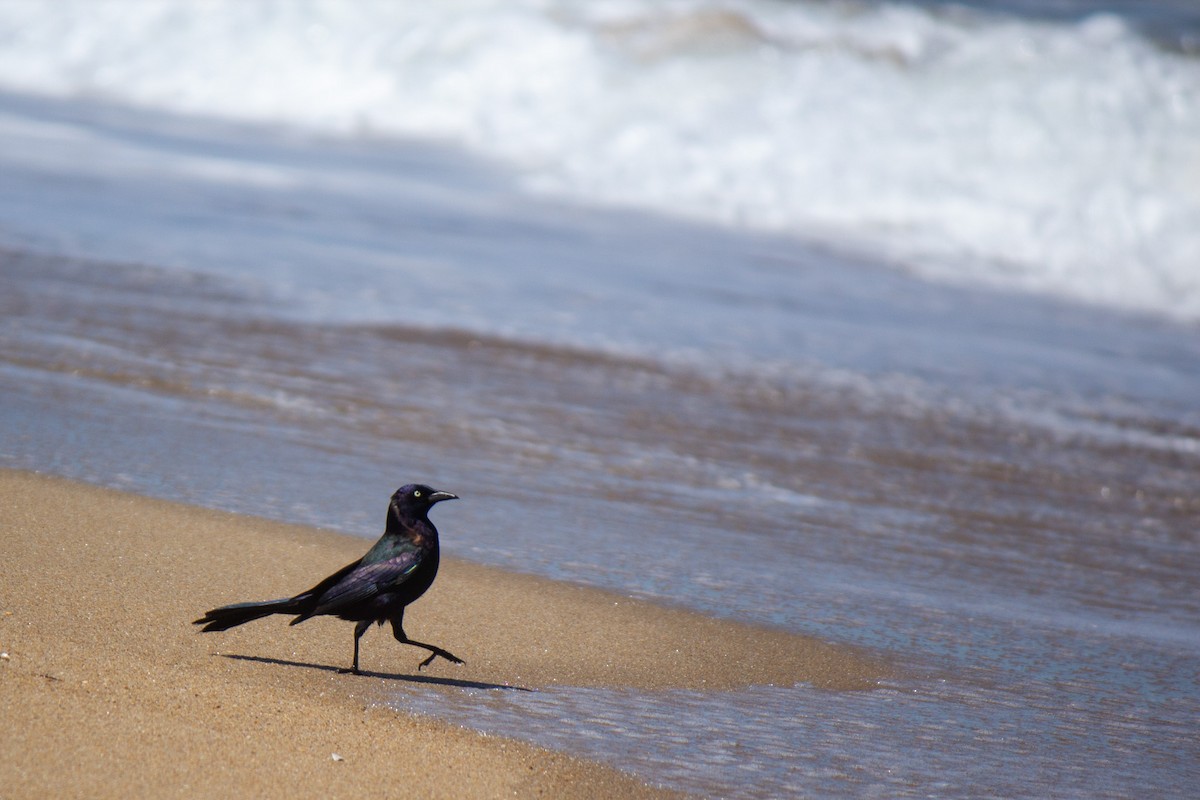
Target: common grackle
[376, 588]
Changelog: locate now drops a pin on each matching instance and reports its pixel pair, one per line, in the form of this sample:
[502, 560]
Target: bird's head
[415, 500]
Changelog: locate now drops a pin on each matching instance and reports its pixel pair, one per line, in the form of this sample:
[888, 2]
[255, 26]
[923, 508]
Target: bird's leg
[434, 651]
[359, 630]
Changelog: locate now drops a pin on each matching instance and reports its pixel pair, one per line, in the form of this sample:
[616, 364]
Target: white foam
[1062, 159]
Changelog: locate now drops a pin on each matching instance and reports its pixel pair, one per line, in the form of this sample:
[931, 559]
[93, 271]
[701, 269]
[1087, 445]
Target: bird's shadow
[389, 676]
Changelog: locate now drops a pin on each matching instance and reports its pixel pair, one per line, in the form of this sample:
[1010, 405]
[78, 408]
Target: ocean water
[873, 322]
[1056, 152]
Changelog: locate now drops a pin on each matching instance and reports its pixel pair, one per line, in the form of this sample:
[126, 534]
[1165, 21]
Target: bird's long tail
[226, 617]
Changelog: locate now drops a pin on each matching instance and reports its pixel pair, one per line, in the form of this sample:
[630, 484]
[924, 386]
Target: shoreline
[108, 689]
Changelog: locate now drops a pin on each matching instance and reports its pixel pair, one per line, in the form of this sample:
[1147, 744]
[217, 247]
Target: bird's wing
[323, 586]
[365, 581]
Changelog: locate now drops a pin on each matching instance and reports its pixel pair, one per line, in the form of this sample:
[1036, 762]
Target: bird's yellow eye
[416, 493]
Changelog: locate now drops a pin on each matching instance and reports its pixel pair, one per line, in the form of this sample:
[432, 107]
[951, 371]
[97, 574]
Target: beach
[108, 690]
[818, 380]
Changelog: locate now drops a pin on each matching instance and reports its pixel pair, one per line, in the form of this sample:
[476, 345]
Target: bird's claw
[444, 654]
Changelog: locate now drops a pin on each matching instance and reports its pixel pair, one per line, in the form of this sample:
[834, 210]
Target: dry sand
[106, 689]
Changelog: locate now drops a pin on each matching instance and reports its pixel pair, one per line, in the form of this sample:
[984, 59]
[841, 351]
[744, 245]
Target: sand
[106, 689]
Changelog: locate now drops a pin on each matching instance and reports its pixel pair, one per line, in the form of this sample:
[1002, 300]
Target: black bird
[376, 588]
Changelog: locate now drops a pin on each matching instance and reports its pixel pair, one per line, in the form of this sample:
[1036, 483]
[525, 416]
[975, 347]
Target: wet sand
[107, 689]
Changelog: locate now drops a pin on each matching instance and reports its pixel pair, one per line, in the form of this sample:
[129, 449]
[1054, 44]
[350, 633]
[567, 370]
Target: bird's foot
[446, 654]
[349, 671]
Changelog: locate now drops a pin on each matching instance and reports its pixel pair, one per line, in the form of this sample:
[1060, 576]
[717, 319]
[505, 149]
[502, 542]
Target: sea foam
[1059, 158]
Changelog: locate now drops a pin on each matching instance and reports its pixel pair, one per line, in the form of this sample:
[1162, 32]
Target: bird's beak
[438, 497]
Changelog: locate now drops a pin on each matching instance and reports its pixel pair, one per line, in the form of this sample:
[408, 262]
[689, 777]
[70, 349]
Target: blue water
[1049, 152]
[988, 480]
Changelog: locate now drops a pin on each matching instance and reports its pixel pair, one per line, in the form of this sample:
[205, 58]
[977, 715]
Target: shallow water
[996, 491]
[933, 738]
